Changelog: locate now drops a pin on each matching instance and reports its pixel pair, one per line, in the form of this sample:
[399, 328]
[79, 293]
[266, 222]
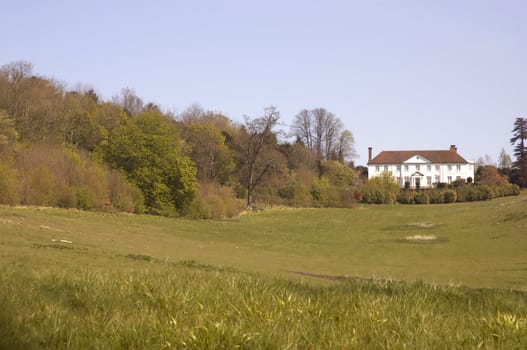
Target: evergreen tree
[518, 140]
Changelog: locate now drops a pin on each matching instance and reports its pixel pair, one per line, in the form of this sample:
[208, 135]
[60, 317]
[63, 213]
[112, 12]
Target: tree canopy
[149, 150]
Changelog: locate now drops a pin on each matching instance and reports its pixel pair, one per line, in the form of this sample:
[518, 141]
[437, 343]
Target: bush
[506, 190]
[381, 189]
[436, 196]
[487, 193]
[406, 197]
[84, 200]
[372, 195]
[449, 196]
[215, 202]
[421, 198]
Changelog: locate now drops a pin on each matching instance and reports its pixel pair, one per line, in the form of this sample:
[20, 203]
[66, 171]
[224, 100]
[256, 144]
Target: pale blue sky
[400, 74]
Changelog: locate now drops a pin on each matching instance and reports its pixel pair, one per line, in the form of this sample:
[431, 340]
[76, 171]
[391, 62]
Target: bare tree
[16, 71]
[302, 128]
[128, 100]
[345, 147]
[259, 142]
[192, 113]
[504, 160]
[322, 133]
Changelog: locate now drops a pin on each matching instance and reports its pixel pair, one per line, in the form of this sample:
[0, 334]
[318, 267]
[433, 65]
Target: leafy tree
[518, 140]
[214, 160]
[79, 124]
[150, 152]
[340, 175]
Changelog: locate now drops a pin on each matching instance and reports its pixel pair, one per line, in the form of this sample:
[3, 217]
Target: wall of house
[431, 173]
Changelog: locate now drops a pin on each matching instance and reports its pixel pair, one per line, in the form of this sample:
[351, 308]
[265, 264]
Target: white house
[421, 169]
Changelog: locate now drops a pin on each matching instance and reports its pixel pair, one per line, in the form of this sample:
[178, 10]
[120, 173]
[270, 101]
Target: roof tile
[398, 157]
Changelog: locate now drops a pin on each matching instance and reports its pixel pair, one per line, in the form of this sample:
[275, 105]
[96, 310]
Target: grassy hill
[437, 276]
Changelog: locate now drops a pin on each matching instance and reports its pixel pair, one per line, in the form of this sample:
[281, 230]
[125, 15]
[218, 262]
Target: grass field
[435, 276]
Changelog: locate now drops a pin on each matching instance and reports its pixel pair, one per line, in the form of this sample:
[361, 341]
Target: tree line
[70, 148]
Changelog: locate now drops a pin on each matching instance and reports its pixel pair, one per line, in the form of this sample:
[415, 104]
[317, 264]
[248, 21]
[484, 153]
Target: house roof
[398, 157]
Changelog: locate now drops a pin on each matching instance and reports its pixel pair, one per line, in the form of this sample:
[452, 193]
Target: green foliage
[213, 159]
[406, 197]
[422, 198]
[449, 196]
[382, 189]
[149, 151]
[436, 196]
[519, 141]
[413, 197]
[338, 174]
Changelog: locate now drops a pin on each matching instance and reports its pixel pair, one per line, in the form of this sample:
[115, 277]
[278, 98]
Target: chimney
[369, 154]
[453, 148]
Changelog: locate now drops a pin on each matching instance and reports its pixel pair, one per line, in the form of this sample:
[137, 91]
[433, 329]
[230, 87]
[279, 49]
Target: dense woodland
[70, 148]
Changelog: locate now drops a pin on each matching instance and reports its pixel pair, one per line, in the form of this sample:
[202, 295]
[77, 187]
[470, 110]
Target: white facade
[421, 172]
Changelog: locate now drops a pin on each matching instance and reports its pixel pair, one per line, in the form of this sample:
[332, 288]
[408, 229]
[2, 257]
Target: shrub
[421, 198]
[486, 193]
[506, 190]
[449, 196]
[84, 200]
[436, 196]
[380, 189]
[215, 202]
[406, 197]
[372, 195]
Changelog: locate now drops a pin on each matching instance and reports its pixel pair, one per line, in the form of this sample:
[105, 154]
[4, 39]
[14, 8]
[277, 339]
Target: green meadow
[432, 276]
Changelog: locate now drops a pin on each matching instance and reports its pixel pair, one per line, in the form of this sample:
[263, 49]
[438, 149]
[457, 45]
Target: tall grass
[158, 305]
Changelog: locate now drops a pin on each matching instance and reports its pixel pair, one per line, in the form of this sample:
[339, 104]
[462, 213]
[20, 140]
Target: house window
[429, 167]
[406, 180]
[398, 168]
[428, 180]
[449, 167]
[406, 168]
[437, 179]
[437, 167]
[377, 168]
[386, 168]
[449, 179]
[417, 167]
[458, 167]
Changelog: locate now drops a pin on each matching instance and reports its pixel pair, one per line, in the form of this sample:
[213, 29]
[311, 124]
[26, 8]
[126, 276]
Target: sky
[401, 75]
